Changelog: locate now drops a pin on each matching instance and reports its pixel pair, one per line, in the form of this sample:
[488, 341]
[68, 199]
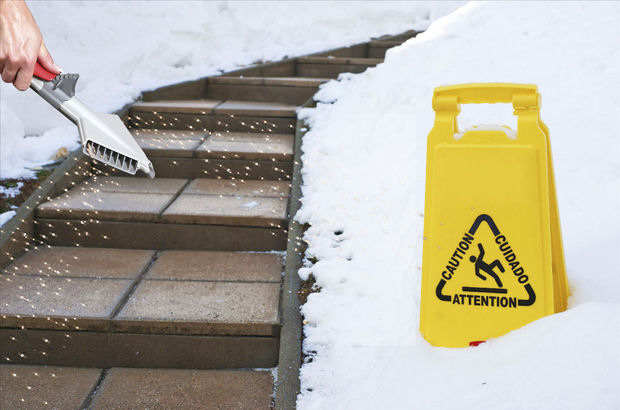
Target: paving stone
[171, 106]
[82, 262]
[214, 389]
[59, 303]
[206, 186]
[118, 206]
[217, 266]
[132, 185]
[255, 108]
[193, 307]
[227, 210]
[240, 145]
[42, 387]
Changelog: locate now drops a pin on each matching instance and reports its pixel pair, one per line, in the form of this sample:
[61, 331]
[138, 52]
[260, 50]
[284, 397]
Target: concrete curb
[287, 384]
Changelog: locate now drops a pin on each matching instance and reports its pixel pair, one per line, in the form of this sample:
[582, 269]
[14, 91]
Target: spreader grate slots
[111, 157]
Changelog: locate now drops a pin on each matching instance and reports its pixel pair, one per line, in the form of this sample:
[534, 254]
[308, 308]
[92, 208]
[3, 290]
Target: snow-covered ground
[122, 48]
[363, 194]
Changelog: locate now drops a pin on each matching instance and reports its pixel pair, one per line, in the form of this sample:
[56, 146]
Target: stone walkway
[142, 288]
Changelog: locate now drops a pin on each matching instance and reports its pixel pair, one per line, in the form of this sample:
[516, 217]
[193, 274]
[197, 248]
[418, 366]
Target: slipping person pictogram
[480, 264]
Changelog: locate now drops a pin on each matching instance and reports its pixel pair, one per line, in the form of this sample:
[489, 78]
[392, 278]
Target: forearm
[21, 44]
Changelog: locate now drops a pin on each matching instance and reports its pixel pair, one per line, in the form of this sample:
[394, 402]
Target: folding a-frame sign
[493, 258]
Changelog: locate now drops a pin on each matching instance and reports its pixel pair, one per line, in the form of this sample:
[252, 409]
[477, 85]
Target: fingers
[9, 71]
[23, 77]
[46, 60]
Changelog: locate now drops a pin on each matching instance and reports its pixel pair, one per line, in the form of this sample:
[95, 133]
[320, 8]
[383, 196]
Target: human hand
[21, 45]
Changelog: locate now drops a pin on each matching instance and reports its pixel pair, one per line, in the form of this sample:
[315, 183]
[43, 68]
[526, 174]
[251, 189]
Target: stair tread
[282, 81]
[246, 145]
[182, 292]
[340, 60]
[217, 145]
[164, 106]
[205, 107]
[58, 302]
[120, 206]
[232, 107]
[225, 389]
[168, 142]
[247, 188]
[46, 386]
[217, 266]
[198, 307]
[67, 261]
[204, 201]
[24, 386]
[385, 43]
[231, 202]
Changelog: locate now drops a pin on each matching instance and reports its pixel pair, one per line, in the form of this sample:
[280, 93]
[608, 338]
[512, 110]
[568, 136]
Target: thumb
[45, 59]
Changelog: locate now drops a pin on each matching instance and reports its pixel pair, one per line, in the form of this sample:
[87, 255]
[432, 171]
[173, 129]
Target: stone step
[74, 306]
[203, 201]
[214, 115]
[288, 90]
[399, 37]
[166, 213]
[127, 212]
[194, 154]
[377, 48]
[331, 67]
[33, 387]
[354, 51]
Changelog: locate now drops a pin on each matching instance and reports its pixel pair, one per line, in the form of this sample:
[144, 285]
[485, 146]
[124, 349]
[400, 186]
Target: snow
[5, 216]
[123, 48]
[11, 192]
[363, 194]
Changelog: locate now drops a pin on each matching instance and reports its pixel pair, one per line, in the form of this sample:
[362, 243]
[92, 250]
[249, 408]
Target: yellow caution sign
[493, 258]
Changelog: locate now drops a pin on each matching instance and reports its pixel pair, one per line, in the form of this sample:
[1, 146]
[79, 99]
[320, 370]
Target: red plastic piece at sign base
[476, 343]
[42, 73]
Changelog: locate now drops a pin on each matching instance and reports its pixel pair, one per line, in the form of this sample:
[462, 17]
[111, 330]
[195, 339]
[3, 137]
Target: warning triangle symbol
[487, 263]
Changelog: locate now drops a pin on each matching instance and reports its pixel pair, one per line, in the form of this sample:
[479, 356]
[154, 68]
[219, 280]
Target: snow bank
[5, 216]
[123, 48]
[363, 194]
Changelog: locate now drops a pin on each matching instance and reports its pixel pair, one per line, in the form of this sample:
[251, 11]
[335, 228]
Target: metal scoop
[104, 137]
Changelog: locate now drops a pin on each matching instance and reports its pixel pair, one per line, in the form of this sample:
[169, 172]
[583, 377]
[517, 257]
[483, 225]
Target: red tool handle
[42, 73]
